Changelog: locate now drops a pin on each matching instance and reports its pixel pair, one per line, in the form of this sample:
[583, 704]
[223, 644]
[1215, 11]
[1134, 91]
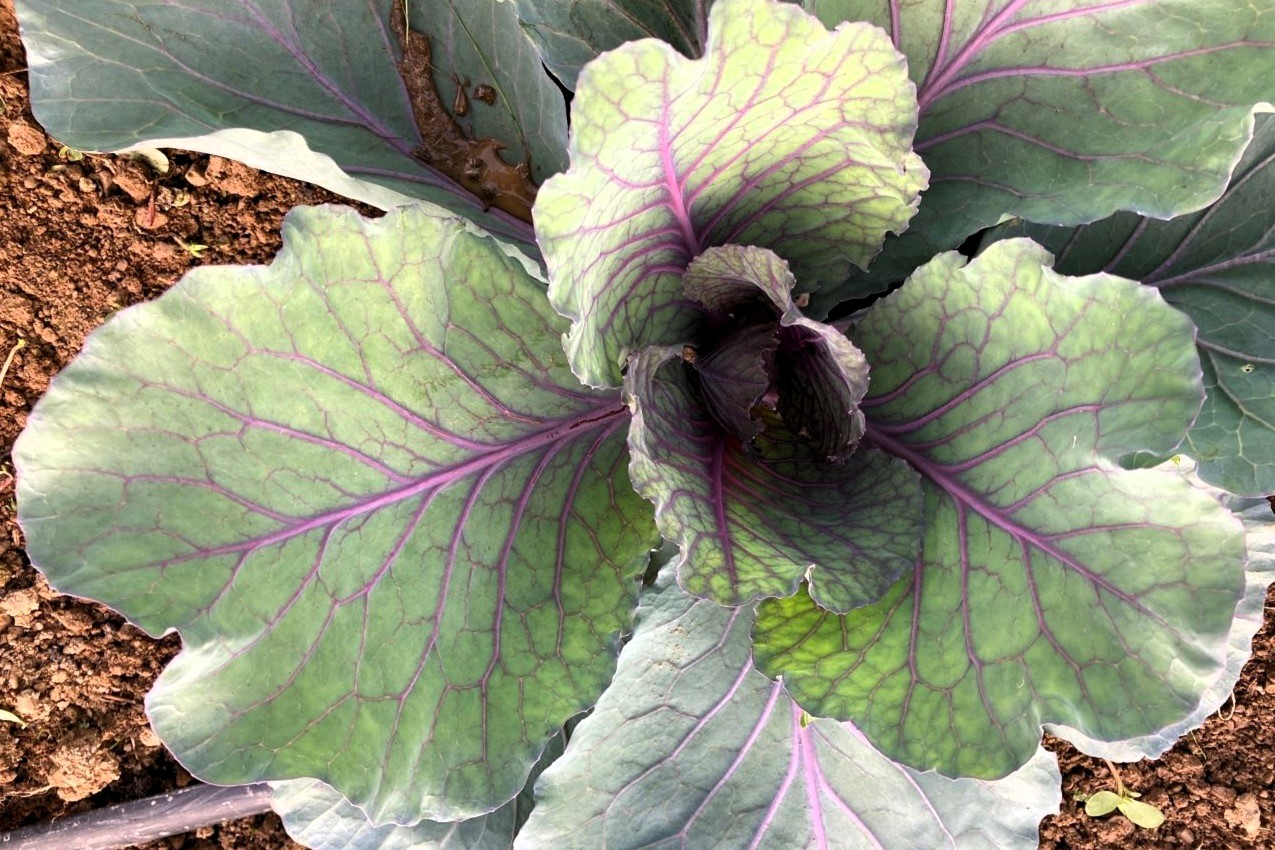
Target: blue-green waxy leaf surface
[1218, 267]
[397, 537]
[691, 747]
[310, 91]
[1069, 110]
[783, 135]
[321, 819]
[1259, 534]
[569, 35]
[1053, 586]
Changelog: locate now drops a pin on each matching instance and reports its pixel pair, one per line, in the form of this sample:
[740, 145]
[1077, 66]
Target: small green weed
[1104, 803]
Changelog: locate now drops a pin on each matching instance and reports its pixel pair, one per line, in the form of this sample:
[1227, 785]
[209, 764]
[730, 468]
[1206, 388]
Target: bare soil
[82, 237]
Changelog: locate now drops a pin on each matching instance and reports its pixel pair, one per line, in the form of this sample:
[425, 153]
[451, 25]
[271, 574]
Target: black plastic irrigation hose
[130, 824]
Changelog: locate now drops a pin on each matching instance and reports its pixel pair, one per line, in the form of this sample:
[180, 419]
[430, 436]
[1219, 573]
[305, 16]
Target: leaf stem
[1120, 789]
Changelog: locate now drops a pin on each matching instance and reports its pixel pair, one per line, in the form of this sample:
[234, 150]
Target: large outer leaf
[691, 747]
[1064, 111]
[783, 136]
[396, 536]
[321, 819]
[213, 75]
[1218, 267]
[1259, 527]
[1053, 586]
[755, 524]
[570, 34]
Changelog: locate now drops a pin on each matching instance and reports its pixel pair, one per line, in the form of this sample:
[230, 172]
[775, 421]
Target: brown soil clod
[26, 139]
[475, 164]
[82, 770]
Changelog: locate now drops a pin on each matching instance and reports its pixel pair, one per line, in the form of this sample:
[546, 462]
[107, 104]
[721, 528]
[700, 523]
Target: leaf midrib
[586, 421]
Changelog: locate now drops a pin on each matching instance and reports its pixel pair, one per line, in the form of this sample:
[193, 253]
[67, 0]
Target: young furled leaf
[783, 135]
[761, 494]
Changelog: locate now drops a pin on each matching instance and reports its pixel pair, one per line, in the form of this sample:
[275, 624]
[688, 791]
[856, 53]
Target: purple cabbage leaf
[397, 537]
[1067, 112]
[1259, 533]
[318, 817]
[321, 95]
[783, 135]
[1053, 586]
[1216, 265]
[692, 747]
[570, 35]
[385, 489]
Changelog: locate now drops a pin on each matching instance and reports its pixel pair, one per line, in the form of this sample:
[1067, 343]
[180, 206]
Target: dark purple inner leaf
[755, 342]
[815, 398]
[735, 375]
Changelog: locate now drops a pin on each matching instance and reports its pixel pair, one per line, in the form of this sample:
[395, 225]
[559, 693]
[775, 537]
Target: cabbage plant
[673, 480]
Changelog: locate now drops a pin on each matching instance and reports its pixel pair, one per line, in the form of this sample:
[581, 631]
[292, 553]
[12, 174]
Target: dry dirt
[83, 237]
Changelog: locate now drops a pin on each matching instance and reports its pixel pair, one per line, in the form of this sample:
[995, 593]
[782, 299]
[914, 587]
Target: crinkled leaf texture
[312, 93]
[1218, 267]
[783, 135]
[397, 537]
[1053, 586]
[321, 819]
[1259, 527]
[1065, 112]
[692, 747]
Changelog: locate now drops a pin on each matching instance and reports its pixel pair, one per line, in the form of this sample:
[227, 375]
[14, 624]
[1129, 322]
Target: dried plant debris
[475, 164]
